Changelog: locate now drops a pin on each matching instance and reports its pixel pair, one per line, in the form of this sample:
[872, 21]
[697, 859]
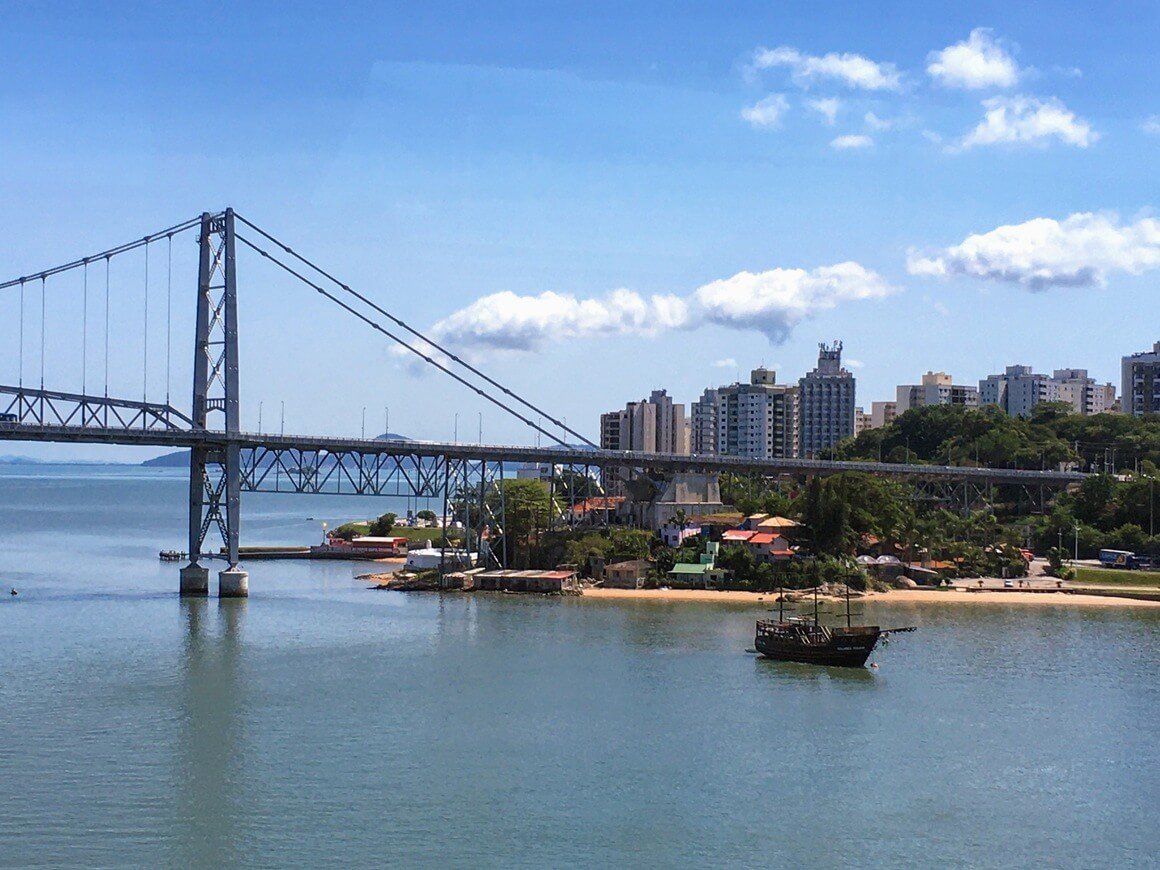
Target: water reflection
[210, 737]
[802, 674]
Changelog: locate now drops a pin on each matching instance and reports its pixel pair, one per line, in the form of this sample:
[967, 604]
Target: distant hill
[176, 459]
[180, 458]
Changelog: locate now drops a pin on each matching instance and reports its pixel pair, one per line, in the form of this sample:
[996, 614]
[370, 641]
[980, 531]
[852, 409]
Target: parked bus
[1116, 558]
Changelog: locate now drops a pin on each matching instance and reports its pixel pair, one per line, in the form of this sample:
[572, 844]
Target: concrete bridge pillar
[233, 583]
[194, 580]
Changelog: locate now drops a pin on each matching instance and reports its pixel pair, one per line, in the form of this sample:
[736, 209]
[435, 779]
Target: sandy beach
[899, 596]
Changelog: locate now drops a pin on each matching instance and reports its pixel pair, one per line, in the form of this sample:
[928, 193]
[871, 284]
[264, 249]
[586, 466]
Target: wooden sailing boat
[800, 639]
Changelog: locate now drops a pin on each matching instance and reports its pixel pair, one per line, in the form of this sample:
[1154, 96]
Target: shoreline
[900, 596]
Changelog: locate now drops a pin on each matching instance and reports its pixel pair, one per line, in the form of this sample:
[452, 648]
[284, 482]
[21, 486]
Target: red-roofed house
[768, 547]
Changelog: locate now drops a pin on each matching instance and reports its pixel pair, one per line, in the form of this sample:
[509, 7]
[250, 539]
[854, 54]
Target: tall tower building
[825, 403]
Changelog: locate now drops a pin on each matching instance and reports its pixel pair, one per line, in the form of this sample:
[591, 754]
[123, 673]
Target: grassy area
[413, 536]
[1109, 577]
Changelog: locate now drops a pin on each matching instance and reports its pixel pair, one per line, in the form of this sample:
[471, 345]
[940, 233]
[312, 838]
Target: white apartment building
[1018, 390]
[882, 414]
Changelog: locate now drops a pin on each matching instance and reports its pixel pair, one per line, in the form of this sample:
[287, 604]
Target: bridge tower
[214, 462]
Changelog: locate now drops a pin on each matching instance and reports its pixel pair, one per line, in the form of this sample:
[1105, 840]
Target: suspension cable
[85, 333]
[111, 252]
[21, 364]
[168, 318]
[401, 324]
[43, 309]
[378, 327]
[108, 259]
[145, 342]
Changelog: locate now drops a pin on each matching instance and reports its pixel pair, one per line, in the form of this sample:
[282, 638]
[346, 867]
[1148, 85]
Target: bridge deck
[175, 439]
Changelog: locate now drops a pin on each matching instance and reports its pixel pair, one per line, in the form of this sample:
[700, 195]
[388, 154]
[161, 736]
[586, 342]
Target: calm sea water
[322, 723]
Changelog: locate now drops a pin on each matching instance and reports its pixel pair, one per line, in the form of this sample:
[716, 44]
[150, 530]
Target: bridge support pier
[194, 580]
[233, 583]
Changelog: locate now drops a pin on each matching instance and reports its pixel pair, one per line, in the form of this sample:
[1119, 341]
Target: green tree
[525, 508]
[382, 526]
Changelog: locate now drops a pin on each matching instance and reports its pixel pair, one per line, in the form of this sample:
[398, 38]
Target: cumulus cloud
[727, 363]
[852, 70]
[507, 321]
[1079, 251]
[851, 141]
[775, 301]
[1029, 121]
[977, 62]
[828, 108]
[766, 112]
[771, 302]
[875, 123]
[1151, 125]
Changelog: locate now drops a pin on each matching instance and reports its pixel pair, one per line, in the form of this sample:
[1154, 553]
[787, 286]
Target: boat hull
[841, 650]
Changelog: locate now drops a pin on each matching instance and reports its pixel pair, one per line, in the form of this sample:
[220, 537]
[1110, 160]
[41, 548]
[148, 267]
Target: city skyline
[968, 189]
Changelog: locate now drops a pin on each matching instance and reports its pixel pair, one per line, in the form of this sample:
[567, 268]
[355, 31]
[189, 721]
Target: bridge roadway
[174, 438]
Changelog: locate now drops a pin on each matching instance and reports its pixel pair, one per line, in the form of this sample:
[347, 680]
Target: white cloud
[852, 70]
[771, 302]
[978, 62]
[827, 107]
[766, 112]
[1151, 125]
[506, 321]
[1079, 251]
[855, 363]
[852, 141]
[1029, 121]
[727, 363]
[774, 302]
[875, 123]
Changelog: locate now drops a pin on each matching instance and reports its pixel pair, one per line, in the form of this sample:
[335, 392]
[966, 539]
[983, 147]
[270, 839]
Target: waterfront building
[1019, 389]
[627, 575]
[825, 403]
[757, 419]
[936, 389]
[882, 414]
[1140, 382]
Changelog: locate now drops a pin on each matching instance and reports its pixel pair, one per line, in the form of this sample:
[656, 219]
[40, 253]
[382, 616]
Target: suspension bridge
[226, 461]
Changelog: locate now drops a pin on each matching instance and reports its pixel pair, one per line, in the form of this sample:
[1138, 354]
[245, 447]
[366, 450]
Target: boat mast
[847, 602]
[817, 586]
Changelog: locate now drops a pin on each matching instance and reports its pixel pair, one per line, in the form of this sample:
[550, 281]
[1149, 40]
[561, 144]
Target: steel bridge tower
[214, 463]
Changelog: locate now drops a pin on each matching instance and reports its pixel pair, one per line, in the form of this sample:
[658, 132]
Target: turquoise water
[322, 723]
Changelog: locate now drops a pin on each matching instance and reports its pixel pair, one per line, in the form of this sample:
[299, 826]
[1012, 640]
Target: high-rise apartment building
[825, 403]
[862, 421]
[936, 389]
[1140, 382]
[1081, 392]
[652, 425]
[703, 424]
[757, 419]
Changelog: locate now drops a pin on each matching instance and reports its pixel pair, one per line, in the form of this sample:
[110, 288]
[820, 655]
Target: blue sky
[670, 174]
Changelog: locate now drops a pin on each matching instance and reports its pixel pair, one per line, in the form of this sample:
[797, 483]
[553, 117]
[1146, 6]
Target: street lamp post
[1076, 559]
[455, 430]
[259, 418]
[364, 423]
[387, 422]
